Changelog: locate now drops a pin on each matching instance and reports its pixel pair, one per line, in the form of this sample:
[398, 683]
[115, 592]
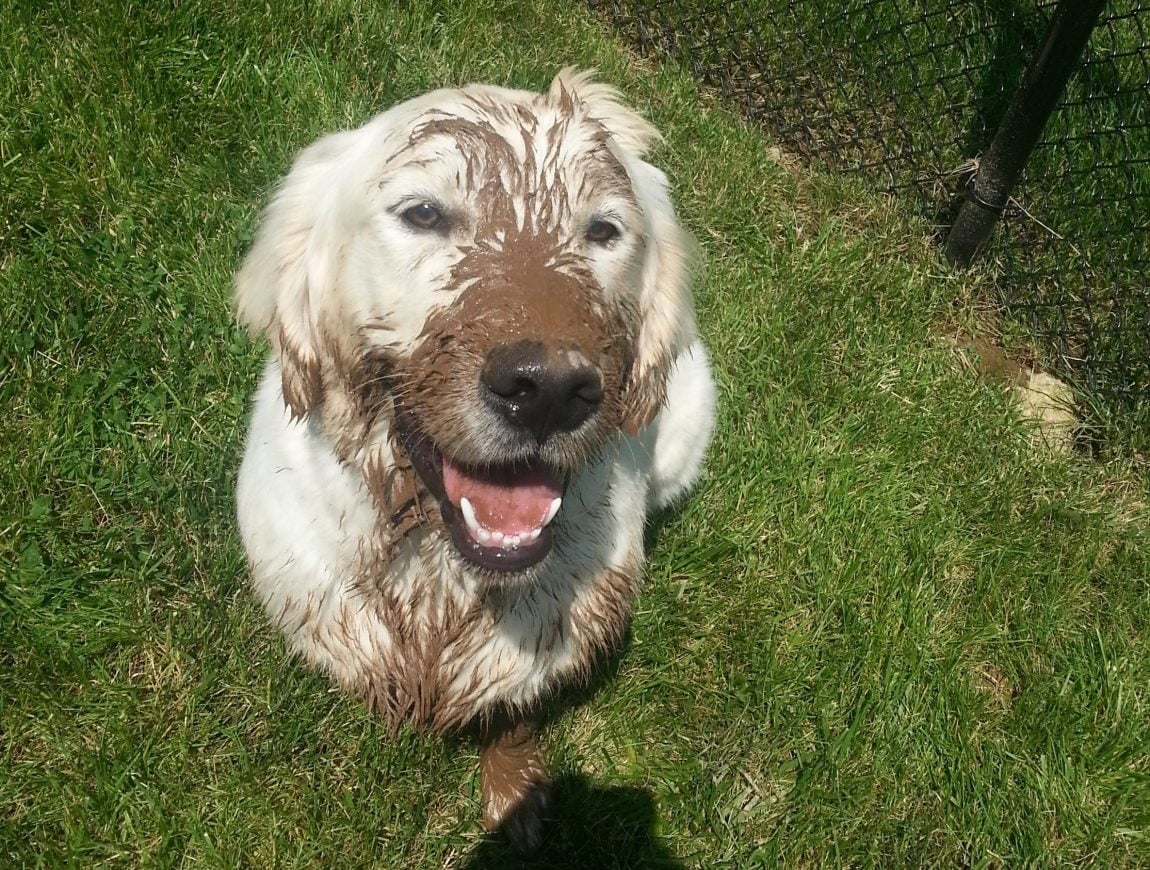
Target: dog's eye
[424, 216]
[601, 232]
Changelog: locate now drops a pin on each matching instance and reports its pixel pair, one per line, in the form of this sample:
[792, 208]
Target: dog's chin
[499, 517]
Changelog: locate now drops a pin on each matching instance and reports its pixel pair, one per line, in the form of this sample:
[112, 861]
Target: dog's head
[492, 281]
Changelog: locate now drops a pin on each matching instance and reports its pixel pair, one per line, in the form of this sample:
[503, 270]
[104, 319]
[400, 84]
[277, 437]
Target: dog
[484, 374]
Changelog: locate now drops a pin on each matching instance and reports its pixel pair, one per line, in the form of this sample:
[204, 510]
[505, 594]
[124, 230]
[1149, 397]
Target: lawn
[885, 631]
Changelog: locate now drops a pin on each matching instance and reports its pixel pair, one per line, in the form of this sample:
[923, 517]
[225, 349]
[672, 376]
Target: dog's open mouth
[498, 516]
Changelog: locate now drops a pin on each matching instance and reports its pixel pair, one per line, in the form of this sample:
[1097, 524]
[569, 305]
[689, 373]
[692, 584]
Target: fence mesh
[908, 94]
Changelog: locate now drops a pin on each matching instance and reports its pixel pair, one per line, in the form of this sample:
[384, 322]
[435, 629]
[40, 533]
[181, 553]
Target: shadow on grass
[588, 826]
[657, 521]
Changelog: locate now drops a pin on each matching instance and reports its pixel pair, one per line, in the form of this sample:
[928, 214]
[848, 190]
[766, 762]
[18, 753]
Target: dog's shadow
[588, 826]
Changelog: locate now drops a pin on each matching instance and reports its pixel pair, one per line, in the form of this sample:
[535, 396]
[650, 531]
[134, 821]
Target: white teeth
[469, 517]
[488, 537]
[551, 511]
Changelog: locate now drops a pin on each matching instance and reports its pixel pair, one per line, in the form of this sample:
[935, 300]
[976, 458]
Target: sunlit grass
[884, 631]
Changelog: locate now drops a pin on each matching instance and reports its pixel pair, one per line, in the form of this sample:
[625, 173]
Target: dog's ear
[666, 312]
[291, 267]
[629, 130]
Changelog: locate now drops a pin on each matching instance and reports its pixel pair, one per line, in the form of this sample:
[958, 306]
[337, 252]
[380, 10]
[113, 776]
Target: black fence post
[1037, 95]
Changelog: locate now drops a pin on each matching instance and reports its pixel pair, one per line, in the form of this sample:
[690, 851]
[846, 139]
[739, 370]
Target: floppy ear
[666, 311]
[291, 267]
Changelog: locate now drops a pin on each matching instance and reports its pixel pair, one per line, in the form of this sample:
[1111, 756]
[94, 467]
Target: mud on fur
[484, 375]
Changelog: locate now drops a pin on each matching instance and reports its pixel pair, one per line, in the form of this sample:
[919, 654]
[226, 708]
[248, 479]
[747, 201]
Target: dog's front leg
[516, 787]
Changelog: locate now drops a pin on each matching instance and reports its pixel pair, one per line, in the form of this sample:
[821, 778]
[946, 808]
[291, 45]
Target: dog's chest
[450, 649]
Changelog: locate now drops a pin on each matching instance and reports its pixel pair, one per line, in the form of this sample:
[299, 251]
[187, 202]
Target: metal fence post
[1035, 100]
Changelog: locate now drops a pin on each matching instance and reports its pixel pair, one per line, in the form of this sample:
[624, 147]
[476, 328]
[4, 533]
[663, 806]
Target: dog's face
[491, 282]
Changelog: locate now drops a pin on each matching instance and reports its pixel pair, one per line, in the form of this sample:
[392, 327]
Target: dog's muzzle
[498, 516]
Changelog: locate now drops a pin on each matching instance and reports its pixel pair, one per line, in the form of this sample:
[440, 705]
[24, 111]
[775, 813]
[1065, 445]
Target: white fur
[677, 439]
[330, 256]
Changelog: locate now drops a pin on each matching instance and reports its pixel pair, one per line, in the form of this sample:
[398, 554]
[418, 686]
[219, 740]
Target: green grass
[885, 631]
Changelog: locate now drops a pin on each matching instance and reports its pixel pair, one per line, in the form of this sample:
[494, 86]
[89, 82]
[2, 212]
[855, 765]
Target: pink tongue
[508, 500]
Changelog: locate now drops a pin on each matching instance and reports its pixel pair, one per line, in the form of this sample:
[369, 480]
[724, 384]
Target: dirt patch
[1042, 399]
[991, 361]
[993, 682]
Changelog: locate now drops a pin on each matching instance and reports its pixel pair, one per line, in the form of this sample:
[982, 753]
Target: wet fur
[346, 547]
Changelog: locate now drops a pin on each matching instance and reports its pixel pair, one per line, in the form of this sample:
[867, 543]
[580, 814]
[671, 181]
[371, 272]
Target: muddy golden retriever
[484, 374]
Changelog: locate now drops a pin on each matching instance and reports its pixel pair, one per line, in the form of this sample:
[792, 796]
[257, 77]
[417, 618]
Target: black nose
[541, 392]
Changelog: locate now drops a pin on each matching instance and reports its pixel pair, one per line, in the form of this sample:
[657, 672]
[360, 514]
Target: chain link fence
[908, 93]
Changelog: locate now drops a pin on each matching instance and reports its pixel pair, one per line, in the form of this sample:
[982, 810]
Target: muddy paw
[516, 788]
[522, 826]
